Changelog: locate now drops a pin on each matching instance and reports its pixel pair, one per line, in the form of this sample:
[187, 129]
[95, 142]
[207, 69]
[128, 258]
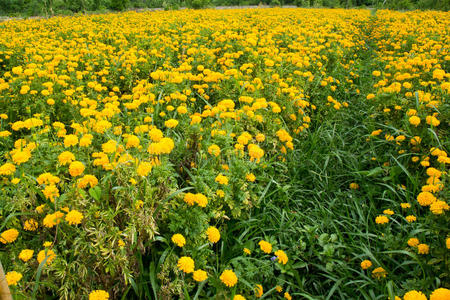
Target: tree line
[51, 7]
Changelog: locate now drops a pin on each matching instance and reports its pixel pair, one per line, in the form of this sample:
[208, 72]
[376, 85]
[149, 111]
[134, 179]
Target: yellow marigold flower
[414, 295]
[354, 186]
[21, 157]
[405, 205]
[132, 141]
[76, 168]
[200, 275]
[411, 218]
[74, 217]
[447, 243]
[281, 256]
[214, 150]
[144, 168]
[439, 207]
[228, 278]
[186, 264]
[266, 247]
[255, 152]
[381, 219]
[26, 254]
[376, 132]
[53, 219]
[416, 140]
[70, 140]
[426, 198]
[201, 200]
[86, 140]
[98, 295]
[370, 96]
[47, 253]
[178, 239]
[221, 179]
[250, 177]
[47, 244]
[13, 277]
[414, 120]
[260, 137]
[65, 158]
[238, 297]
[247, 251]
[213, 234]
[423, 249]
[9, 236]
[388, 212]
[431, 120]
[413, 242]
[7, 169]
[279, 289]
[51, 192]
[440, 294]
[287, 296]
[365, 264]
[259, 291]
[189, 198]
[40, 208]
[171, 123]
[109, 147]
[379, 273]
[87, 180]
[30, 225]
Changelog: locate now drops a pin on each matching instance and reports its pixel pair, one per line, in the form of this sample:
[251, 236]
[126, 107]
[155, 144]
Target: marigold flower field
[226, 154]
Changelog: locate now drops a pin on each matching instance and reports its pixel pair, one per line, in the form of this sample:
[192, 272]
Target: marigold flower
[405, 205]
[281, 256]
[238, 297]
[70, 140]
[440, 294]
[413, 242]
[13, 277]
[414, 295]
[221, 179]
[74, 217]
[65, 158]
[144, 168]
[47, 253]
[178, 240]
[98, 295]
[439, 207]
[381, 219]
[213, 234]
[247, 251]
[423, 249]
[365, 264]
[266, 247]
[379, 273]
[354, 186]
[9, 236]
[287, 296]
[76, 168]
[186, 264]
[20, 157]
[26, 254]
[214, 150]
[414, 120]
[259, 291]
[228, 278]
[30, 225]
[426, 198]
[201, 200]
[411, 218]
[200, 275]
